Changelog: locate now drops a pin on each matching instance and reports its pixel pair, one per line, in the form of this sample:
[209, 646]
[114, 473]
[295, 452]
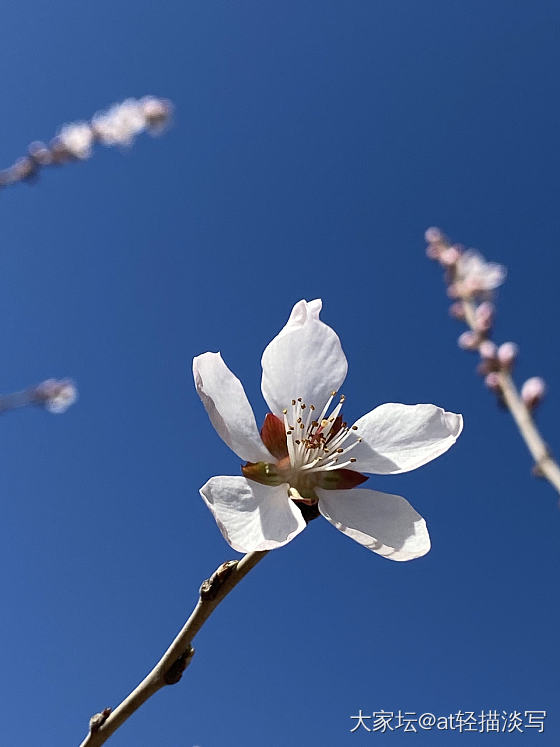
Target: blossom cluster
[472, 282]
[118, 125]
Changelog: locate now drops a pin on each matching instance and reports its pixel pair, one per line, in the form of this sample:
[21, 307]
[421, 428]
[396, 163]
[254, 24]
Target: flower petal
[304, 360]
[384, 523]
[228, 408]
[399, 438]
[252, 516]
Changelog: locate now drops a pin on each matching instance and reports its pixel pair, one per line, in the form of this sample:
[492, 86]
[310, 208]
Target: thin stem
[545, 465]
[170, 667]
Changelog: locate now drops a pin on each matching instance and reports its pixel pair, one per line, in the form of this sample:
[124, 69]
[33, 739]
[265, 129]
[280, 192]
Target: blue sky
[313, 143]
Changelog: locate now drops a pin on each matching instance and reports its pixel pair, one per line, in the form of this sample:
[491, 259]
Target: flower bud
[487, 349]
[432, 251]
[468, 341]
[40, 153]
[56, 395]
[507, 353]
[532, 391]
[433, 235]
[449, 256]
[492, 381]
[457, 310]
[484, 316]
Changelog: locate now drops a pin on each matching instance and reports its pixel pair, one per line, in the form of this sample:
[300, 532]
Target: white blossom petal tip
[250, 516]
[384, 523]
[304, 360]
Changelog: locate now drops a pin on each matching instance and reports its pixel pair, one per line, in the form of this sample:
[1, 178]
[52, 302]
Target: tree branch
[545, 464]
[175, 660]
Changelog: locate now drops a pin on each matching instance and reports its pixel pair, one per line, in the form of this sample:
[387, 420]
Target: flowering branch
[119, 125]
[170, 668]
[55, 395]
[471, 282]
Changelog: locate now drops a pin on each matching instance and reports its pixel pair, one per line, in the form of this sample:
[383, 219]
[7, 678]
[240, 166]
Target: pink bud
[433, 235]
[492, 381]
[468, 341]
[449, 256]
[487, 349]
[454, 290]
[432, 251]
[507, 353]
[457, 310]
[532, 391]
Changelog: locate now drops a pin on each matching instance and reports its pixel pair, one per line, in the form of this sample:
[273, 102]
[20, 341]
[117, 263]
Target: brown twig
[175, 660]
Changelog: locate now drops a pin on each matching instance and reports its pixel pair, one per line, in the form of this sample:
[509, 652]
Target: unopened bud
[532, 391]
[492, 381]
[484, 316]
[457, 310]
[468, 341]
[449, 256]
[157, 112]
[40, 153]
[433, 235]
[487, 349]
[432, 251]
[507, 353]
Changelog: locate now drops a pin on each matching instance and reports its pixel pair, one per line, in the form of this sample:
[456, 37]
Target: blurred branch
[175, 660]
[119, 125]
[55, 395]
[472, 281]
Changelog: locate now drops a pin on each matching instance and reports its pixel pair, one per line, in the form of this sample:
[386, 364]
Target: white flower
[473, 274]
[77, 139]
[120, 124]
[56, 395]
[306, 457]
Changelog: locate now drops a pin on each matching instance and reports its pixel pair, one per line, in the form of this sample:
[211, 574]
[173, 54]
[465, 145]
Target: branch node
[175, 671]
[210, 588]
[98, 719]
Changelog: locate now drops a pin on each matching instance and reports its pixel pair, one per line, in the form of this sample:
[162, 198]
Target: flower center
[318, 444]
[312, 450]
